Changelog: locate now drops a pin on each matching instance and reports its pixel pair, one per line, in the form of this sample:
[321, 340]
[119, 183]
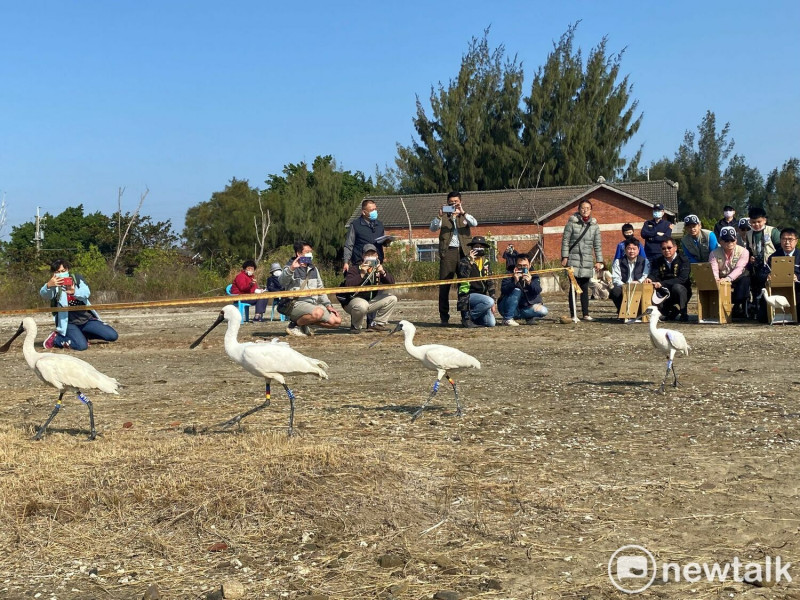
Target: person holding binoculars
[521, 295]
[74, 329]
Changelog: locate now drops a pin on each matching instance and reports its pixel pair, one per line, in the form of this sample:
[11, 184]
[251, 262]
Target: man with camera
[305, 311]
[510, 256]
[366, 229]
[521, 295]
[74, 329]
[453, 224]
[476, 298]
[369, 273]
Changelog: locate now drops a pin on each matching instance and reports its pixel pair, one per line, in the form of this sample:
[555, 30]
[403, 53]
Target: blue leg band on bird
[82, 398]
[267, 395]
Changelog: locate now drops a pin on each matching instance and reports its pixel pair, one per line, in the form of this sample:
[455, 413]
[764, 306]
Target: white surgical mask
[250, 272]
[728, 214]
[309, 255]
[657, 214]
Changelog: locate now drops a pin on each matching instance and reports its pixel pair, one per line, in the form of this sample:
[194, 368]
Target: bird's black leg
[56, 408]
[675, 375]
[291, 409]
[455, 391]
[235, 420]
[88, 403]
[664, 382]
[424, 404]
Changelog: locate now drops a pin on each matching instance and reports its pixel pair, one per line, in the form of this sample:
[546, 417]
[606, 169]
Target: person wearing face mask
[476, 298]
[728, 219]
[304, 311]
[74, 329]
[366, 229]
[654, 232]
[627, 234]
[789, 248]
[245, 283]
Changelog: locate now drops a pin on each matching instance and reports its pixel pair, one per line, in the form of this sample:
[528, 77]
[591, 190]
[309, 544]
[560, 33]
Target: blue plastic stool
[244, 307]
[272, 314]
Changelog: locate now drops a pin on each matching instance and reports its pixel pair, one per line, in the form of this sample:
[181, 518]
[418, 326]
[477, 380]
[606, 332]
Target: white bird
[63, 372]
[439, 358]
[776, 302]
[668, 341]
[269, 360]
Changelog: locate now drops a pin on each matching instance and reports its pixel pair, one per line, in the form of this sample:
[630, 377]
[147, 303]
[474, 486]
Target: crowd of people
[739, 252]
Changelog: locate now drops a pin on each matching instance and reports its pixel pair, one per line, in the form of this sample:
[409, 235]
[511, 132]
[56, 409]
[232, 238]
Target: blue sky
[180, 96]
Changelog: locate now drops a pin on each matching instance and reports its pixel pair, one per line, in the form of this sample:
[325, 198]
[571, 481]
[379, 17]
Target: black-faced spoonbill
[63, 372]
[776, 302]
[439, 358]
[668, 341]
[269, 360]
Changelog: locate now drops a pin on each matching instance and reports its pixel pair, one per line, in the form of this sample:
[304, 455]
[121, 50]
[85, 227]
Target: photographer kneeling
[369, 273]
[476, 298]
[521, 295]
[305, 311]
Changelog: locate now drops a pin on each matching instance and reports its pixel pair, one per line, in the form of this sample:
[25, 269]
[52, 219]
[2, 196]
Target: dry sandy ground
[565, 453]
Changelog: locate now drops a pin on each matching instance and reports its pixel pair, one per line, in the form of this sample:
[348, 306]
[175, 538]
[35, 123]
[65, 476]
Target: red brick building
[526, 217]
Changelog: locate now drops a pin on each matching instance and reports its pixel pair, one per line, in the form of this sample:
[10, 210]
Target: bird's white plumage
[271, 360]
[62, 371]
[668, 341]
[777, 302]
[437, 357]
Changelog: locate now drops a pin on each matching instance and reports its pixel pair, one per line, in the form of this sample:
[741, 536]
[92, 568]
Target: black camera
[480, 252]
[524, 271]
[371, 262]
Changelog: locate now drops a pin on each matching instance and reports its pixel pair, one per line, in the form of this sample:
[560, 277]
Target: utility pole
[39, 235]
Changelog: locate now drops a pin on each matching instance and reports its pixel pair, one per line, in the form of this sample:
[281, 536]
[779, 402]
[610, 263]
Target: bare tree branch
[134, 216]
[261, 232]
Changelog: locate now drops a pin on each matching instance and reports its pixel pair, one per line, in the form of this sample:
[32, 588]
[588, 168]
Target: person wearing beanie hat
[274, 284]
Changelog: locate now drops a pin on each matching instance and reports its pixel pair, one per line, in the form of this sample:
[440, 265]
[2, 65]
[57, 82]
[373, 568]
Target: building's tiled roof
[514, 206]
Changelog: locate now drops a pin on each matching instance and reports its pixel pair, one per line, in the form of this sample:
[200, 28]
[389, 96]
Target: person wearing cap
[728, 219]
[627, 234]
[744, 227]
[671, 270]
[245, 283]
[697, 243]
[655, 231]
[476, 298]
[729, 263]
[363, 230]
[274, 281]
[521, 295]
[369, 273]
[454, 235]
[762, 241]
[582, 249]
[633, 268]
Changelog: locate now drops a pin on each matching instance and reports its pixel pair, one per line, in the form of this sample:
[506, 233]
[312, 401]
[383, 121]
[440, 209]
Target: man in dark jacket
[671, 271]
[476, 298]
[521, 295]
[366, 229]
[655, 231]
[381, 302]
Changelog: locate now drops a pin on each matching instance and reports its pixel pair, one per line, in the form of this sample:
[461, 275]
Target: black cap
[658, 206]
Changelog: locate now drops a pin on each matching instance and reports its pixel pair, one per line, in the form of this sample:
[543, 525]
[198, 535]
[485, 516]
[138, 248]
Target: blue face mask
[373, 215]
[657, 214]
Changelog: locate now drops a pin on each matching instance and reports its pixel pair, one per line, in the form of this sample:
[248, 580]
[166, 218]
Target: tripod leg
[40, 433]
[424, 404]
